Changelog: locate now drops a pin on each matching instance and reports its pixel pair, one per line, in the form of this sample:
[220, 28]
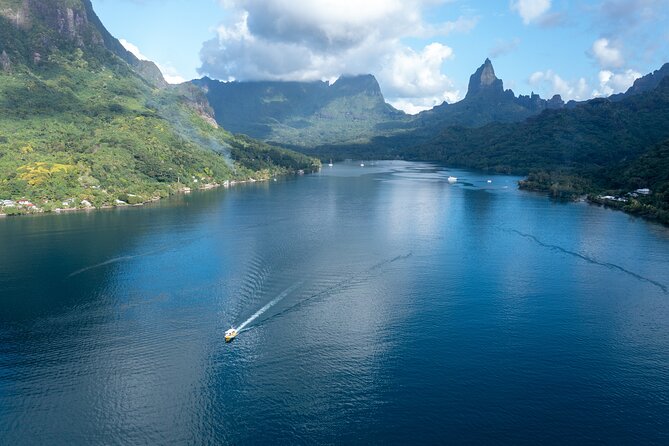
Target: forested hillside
[83, 121]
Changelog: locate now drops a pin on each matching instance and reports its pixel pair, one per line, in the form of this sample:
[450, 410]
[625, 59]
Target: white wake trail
[273, 302]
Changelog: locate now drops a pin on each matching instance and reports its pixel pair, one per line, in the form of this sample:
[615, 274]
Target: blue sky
[421, 51]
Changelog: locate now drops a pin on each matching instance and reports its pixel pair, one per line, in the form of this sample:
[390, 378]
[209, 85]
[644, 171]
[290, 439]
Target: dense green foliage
[651, 170]
[81, 124]
[598, 133]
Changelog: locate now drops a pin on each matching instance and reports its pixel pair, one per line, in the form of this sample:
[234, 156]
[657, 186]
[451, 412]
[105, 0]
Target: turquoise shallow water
[399, 309]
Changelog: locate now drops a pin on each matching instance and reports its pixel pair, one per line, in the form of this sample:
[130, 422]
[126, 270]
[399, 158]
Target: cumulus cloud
[322, 39]
[414, 79]
[170, 73]
[551, 83]
[530, 10]
[636, 23]
[607, 55]
[610, 82]
[623, 15]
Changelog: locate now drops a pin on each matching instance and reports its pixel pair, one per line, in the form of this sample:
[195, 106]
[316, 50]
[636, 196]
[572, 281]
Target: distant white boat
[362, 164]
[489, 181]
[452, 179]
[330, 163]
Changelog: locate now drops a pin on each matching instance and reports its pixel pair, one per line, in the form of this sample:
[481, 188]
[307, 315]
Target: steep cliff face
[54, 24]
[484, 82]
[33, 30]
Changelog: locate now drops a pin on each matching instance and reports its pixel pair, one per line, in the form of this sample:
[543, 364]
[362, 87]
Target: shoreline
[582, 198]
[182, 191]
[632, 207]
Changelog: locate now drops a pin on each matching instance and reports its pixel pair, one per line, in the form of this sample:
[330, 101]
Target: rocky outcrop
[646, 83]
[555, 102]
[352, 85]
[5, 63]
[62, 25]
[485, 82]
[17, 14]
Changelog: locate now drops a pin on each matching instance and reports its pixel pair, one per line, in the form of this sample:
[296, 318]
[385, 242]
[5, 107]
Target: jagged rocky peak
[5, 63]
[555, 102]
[63, 25]
[485, 81]
[364, 83]
[649, 81]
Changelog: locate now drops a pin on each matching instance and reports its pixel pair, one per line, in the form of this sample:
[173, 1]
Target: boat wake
[269, 305]
[589, 259]
[115, 260]
[360, 277]
[131, 257]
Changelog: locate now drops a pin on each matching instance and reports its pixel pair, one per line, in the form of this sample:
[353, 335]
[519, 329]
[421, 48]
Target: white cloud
[170, 73]
[416, 74]
[551, 83]
[606, 54]
[503, 47]
[414, 79]
[133, 49]
[610, 82]
[413, 106]
[322, 39]
[530, 10]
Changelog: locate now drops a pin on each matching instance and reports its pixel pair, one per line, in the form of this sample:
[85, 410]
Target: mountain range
[353, 109]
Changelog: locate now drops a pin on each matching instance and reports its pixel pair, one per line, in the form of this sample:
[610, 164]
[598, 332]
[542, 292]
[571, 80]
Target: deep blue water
[405, 310]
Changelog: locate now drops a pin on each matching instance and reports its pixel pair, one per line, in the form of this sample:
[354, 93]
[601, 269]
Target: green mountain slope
[595, 134]
[83, 119]
[302, 113]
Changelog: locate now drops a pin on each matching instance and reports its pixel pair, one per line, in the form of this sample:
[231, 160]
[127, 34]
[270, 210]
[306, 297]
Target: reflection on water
[384, 304]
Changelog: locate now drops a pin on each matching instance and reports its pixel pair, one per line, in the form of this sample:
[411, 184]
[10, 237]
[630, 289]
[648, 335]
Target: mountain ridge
[353, 109]
[486, 101]
[645, 83]
[301, 113]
